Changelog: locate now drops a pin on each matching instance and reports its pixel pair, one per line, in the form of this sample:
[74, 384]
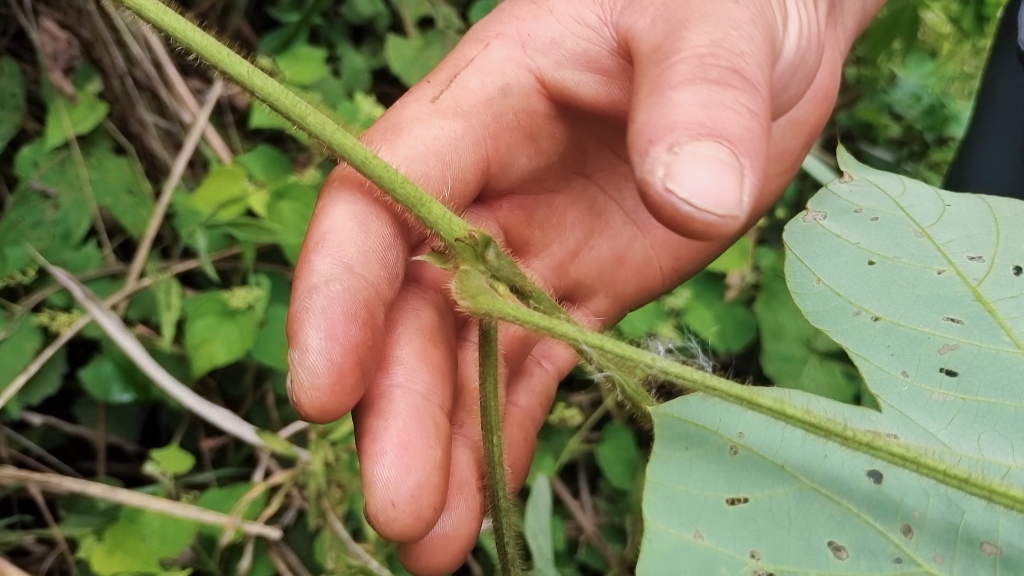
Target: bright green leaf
[13, 102]
[537, 527]
[643, 321]
[266, 164]
[303, 64]
[223, 194]
[271, 347]
[736, 257]
[169, 294]
[410, 59]
[137, 543]
[107, 382]
[79, 117]
[217, 333]
[172, 459]
[291, 207]
[618, 455]
[359, 112]
[18, 348]
[729, 327]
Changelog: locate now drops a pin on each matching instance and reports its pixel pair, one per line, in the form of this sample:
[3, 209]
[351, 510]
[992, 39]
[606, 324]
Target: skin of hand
[615, 147]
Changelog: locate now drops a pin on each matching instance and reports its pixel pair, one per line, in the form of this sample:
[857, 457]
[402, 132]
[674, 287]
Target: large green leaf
[924, 288]
[733, 492]
[919, 286]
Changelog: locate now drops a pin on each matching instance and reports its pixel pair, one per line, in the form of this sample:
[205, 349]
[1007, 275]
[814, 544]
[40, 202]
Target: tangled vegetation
[186, 211]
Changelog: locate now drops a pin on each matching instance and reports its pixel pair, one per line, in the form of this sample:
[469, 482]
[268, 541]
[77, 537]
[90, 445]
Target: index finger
[442, 136]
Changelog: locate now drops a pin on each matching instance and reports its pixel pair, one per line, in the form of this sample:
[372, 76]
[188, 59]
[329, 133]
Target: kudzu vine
[490, 286]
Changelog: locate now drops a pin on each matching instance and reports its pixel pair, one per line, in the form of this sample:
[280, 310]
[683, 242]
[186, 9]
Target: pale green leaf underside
[803, 492]
[863, 264]
[924, 288]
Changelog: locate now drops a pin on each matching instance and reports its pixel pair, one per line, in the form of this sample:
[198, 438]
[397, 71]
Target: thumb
[701, 116]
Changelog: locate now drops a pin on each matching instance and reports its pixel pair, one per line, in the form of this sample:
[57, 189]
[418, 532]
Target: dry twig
[115, 329]
[354, 549]
[57, 484]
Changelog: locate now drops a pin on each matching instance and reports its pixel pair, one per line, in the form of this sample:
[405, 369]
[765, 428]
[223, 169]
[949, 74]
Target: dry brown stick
[586, 522]
[33, 368]
[125, 77]
[58, 484]
[354, 549]
[123, 337]
[291, 558]
[189, 105]
[181, 161]
[62, 542]
[36, 419]
[279, 564]
[39, 452]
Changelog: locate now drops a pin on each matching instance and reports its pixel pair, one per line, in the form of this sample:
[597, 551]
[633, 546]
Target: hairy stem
[447, 226]
[476, 297]
[469, 245]
[502, 513]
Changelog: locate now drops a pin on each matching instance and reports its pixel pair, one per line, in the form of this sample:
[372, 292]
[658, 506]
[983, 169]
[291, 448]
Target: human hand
[614, 147]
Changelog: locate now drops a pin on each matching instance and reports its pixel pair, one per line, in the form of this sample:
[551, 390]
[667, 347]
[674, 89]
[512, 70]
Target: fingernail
[708, 176]
[288, 388]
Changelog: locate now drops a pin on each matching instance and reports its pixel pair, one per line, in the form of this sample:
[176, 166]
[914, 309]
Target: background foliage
[81, 166]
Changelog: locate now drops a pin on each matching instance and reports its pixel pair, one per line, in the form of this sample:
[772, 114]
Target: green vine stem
[476, 296]
[467, 244]
[506, 536]
[447, 226]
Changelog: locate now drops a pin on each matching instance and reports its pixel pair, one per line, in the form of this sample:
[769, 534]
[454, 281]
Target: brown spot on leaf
[956, 321]
[734, 450]
[814, 215]
[990, 549]
[856, 313]
[1018, 270]
[736, 500]
[908, 531]
[940, 272]
[698, 536]
[939, 559]
[838, 550]
[976, 259]
[755, 555]
[858, 210]
[948, 372]
[876, 476]
[741, 435]
[874, 218]
[947, 348]
[918, 234]
[875, 318]
[905, 374]
[871, 262]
